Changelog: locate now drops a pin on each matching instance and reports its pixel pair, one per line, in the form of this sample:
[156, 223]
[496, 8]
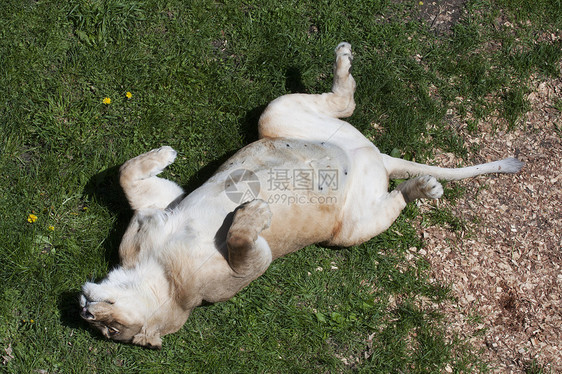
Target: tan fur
[180, 251]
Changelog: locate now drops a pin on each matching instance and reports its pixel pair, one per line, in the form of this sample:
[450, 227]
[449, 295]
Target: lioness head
[132, 306]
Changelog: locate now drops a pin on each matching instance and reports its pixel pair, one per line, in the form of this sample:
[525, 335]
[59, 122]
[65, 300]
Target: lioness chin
[311, 178]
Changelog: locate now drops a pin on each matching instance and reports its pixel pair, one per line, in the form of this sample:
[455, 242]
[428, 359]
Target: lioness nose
[84, 313]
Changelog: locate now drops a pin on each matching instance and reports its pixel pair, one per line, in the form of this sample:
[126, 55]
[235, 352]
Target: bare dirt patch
[441, 16]
[505, 265]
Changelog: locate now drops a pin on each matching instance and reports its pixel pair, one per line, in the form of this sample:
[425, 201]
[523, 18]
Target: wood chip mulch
[504, 265]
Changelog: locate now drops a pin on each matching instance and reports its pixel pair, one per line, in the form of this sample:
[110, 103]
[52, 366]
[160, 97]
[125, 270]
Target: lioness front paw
[147, 165]
[258, 213]
[249, 221]
[164, 155]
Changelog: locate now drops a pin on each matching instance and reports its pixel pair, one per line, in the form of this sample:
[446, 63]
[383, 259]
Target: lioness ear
[148, 340]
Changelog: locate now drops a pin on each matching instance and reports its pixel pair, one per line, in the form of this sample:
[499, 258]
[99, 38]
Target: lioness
[311, 178]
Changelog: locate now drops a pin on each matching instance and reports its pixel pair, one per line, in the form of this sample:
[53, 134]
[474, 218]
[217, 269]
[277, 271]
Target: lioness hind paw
[343, 58]
[430, 187]
[421, 187]
[344, 49]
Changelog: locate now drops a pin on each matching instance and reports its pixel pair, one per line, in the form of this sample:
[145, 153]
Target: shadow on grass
[69, 308]
[293, 81]
[248, 125]
[104, 188]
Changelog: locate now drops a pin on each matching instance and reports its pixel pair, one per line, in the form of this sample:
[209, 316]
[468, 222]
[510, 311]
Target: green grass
[200, 73]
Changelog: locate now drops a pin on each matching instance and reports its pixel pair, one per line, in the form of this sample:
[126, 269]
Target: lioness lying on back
[311, 178]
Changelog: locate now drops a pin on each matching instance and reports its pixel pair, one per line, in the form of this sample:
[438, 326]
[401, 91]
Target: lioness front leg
[424, 186]
[140, 183]
[249, 254]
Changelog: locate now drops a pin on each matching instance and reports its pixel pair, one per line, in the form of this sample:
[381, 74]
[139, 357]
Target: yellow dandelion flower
[31, 218]
[31, 321]
[129, 95]
[51, 228]
[421, 3]
[106, 101]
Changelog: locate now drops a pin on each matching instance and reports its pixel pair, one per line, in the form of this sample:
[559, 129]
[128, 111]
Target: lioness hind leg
[315, 117]
[140, 183]
[344, 84]
[339, 103]
[364, 219]
[249, 254]
[424, 186]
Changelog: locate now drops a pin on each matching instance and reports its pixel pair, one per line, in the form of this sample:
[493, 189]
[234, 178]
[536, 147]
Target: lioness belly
[303, 182]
